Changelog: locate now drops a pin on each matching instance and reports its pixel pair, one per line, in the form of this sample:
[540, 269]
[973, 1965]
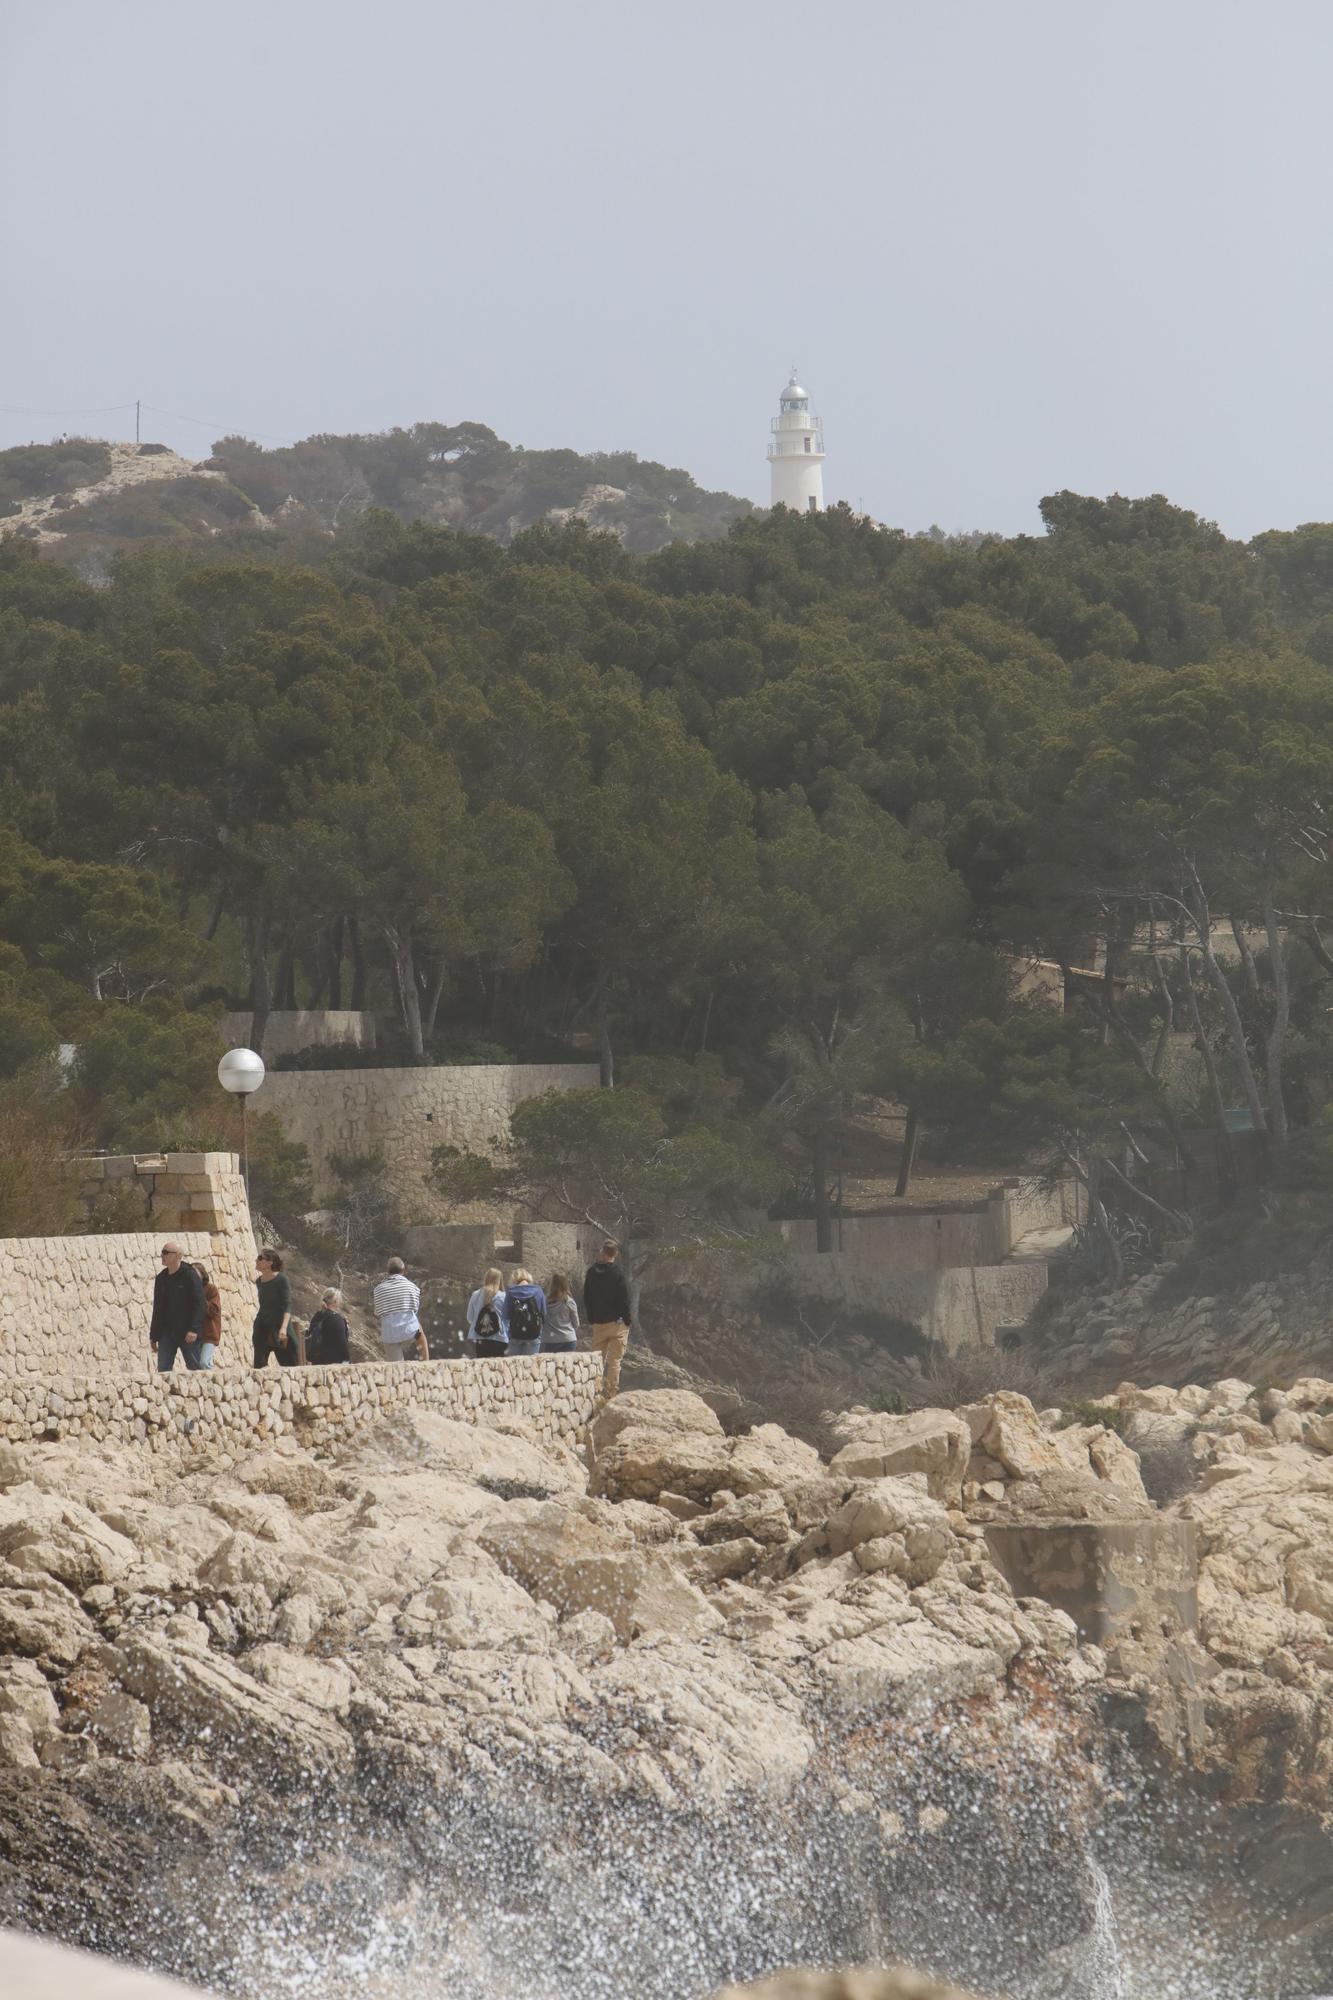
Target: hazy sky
[1014, 245]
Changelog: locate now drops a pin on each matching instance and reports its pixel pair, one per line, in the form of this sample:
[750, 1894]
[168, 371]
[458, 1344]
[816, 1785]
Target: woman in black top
[326, 1335]
[272, 1327]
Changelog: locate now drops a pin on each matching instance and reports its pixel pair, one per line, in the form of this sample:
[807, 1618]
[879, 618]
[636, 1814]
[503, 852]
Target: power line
[97, 410]
[111, 409]
[211, 424]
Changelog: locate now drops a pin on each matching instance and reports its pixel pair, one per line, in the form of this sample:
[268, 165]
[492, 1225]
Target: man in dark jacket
[178, 1310]
[606, 1302]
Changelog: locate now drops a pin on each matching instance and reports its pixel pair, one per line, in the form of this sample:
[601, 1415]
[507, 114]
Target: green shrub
[1108, 1415]
[279, 1170]
[31, 471]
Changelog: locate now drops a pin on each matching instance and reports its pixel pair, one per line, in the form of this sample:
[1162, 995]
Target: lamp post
[241, 1072]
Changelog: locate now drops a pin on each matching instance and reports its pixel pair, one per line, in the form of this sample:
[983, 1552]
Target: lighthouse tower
[796, 452]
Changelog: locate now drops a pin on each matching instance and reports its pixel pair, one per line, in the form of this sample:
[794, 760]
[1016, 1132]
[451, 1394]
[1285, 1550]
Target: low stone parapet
[236, 1409]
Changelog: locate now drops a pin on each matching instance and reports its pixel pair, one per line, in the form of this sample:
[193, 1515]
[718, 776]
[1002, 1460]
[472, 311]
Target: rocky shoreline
[735, 1703]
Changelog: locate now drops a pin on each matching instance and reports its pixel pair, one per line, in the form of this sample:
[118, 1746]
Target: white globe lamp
[241, 1072]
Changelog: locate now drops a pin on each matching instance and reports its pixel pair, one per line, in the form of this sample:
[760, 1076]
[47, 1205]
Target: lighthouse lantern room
[796, 452]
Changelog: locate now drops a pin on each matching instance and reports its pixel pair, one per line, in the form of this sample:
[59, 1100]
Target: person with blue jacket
[523, 1312]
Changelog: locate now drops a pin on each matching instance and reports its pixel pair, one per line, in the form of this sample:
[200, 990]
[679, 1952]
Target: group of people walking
[516, 1316]
[521, 1317]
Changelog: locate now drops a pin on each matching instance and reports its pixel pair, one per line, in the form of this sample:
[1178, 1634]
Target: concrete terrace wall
[949, 1236]
[912, 1239]
[304, 1028]
[405, 1113]
[238, 1409]
[73, 1305]
[955, 1308]
[959, 1307]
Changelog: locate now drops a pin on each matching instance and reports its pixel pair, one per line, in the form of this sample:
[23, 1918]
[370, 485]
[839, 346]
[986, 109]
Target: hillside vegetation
[83, 499]
[776, 813]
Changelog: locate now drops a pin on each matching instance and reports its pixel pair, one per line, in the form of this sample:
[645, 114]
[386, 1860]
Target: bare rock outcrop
[934, 1442]
[701, 1622]
[871, 1982]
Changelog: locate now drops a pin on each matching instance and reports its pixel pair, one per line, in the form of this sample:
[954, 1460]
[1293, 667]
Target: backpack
[525, 1321]
[488, 1325]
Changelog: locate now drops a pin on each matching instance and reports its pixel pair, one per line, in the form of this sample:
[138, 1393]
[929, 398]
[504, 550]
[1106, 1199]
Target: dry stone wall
[233, 1410]
[76, 1305]
[405, 1113]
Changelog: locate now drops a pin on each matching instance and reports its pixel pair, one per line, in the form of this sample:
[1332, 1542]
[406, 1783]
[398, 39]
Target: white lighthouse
[796, 452]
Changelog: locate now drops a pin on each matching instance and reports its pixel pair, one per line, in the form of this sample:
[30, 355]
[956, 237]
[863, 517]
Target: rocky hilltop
[749, 1704]
[83, 497]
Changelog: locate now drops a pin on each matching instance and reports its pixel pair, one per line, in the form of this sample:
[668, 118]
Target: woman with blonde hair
[485, 1315]
[524, 1311]
[560, 1328]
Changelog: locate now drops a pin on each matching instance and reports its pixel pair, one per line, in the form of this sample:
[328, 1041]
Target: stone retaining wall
[233, 1410]
[71, 1305]
[405, 1113]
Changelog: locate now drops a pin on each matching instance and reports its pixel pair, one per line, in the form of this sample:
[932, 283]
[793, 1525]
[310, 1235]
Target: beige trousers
[610, 1340]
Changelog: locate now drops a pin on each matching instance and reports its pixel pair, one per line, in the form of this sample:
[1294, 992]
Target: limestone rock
[27, 1701]
[1311, 1392]
[769, 1458]
[194, 1698]
[909, 1530]
[642, 1463]
[1012, 1433]
[677, 1410]
[579, 1559]
[470, 1613]
[935, 1442]
[123, 1724]
[41, 1533]
[42, 1620]
[324, 1684]
[763, 1516]
[589, 1636]
[1065, 1495]
[1230, 1394]
[421, 1441]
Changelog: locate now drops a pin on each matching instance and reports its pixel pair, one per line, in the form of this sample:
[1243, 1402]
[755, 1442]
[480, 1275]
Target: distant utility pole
[136, 420]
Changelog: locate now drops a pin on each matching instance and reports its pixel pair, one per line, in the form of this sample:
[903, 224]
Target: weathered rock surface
[443, 1590]
[700, 1621]
[934, 1442]
[858, 1983]
[675, 1410]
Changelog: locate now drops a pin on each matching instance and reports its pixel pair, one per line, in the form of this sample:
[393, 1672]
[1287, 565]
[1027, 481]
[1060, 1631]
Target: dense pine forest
[791, 807]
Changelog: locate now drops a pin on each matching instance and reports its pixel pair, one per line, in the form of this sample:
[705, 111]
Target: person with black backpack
[485, 1316]
[524, 1312]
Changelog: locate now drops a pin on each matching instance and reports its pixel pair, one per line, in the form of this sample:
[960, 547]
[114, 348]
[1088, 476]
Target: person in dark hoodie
[326, 1339]
[523, 1311]
[178, 1310]
[606, 1302]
